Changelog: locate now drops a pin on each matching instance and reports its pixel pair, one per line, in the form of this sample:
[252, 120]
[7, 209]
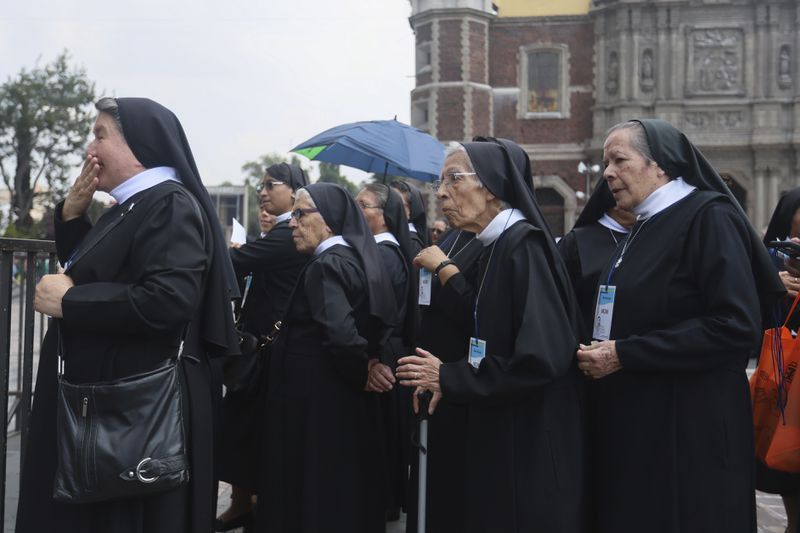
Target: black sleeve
[328, 282]
[168, 261]
[544, 344]
[69, 234]
[273, 251]
[728, 324]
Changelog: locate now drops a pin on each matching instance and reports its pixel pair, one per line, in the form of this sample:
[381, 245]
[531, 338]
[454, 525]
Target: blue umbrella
[380, 146]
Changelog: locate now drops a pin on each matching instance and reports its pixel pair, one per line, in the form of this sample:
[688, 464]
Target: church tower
[452, 98]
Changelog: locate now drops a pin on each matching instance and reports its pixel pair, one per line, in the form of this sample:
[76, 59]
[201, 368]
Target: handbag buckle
[276, 328]
[143, 464]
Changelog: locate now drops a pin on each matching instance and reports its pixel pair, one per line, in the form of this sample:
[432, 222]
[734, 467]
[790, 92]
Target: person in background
[678, 316]
[438, 229]
[383, 210]
[269, 268]
[322, 464]
[784, 224]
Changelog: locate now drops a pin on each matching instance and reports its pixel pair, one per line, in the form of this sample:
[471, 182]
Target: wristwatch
[446, 262]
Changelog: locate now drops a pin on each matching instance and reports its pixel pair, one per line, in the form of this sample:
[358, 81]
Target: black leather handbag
[120, 439]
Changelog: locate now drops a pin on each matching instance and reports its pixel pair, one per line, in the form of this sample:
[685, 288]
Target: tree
[253, 173]
[45, 116]
[329, 172]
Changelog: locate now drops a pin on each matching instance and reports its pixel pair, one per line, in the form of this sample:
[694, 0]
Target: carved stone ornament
[715, 120]
[785, 67]
[646, 71]
[612, 73]
[716, 62]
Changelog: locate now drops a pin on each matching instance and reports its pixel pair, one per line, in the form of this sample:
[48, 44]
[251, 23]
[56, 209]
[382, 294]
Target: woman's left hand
[421, 371]
[599, 359]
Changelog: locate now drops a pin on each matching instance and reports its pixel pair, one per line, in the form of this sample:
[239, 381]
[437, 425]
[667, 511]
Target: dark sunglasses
[269, 185]
[299, 213]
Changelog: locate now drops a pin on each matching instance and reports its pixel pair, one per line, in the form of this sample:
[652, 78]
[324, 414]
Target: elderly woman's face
[463, 201]
[630, 177]
[308, 228]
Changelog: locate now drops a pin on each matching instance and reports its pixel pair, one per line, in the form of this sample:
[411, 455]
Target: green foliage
[329, 172]
[45, 116]
[253, 173]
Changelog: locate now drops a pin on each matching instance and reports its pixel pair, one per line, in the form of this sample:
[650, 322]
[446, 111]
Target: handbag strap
[60, 346]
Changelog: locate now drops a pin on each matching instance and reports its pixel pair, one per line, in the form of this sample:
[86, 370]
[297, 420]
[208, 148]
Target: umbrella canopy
[379, 146]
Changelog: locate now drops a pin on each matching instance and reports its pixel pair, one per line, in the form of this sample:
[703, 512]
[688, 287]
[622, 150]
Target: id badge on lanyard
[604, 312]
[425, 280]
[477, 351]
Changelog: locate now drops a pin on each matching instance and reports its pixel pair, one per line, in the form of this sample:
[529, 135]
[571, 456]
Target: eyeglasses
[451, 180]
[297, 214]
[269, 185]
[367, 206]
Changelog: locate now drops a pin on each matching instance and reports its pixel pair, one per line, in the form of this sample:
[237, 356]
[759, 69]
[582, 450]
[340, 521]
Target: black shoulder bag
[123, 438]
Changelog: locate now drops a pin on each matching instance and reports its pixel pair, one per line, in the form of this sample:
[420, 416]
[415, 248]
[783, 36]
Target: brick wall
[450, 50]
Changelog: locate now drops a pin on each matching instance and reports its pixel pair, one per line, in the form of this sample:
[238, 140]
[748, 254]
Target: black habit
[163, 264]
[524, 464]
[323, 444]
[672, 435]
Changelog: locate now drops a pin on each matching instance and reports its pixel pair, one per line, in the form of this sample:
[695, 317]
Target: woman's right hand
[80, 194]
[380, 377]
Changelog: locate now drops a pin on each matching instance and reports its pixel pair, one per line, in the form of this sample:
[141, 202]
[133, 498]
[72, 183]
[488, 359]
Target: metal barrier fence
[22, 262]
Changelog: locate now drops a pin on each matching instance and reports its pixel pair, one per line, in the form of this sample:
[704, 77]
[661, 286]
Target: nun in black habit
[524, 467]
[268, 268]
[386, 217]
[587, 248]
[672, 434]
[152, 264]
[323, 444]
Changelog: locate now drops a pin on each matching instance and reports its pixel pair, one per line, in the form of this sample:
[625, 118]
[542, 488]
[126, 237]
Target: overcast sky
[244, 77]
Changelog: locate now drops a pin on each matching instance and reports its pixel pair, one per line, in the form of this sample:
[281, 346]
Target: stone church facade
[555, 75]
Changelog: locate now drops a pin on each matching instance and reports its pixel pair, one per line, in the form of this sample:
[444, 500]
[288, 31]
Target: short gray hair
[638, 138]
[380, 191]
[109, 105]
[303, 194]
[456, 147]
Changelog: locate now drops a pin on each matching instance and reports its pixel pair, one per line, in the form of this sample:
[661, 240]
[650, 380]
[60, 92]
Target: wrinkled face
[630, 177]
[276, 196]
[117, 162]
[265, 220]
[463, 201]
[368, 203]
[309, 230]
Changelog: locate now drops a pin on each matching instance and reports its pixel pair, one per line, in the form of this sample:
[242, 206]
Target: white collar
[281, 218]
[329, 242]
[612, 224]
[143, 181]
[663, 197]
[503, 220]
[262, 234]
[386, 236]
[412, 227]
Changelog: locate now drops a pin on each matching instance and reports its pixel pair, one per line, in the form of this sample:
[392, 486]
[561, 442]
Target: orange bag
[777, 437]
